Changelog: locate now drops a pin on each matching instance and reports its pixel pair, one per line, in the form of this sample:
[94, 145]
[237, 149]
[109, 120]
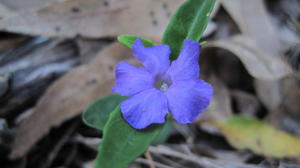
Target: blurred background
[57, 56]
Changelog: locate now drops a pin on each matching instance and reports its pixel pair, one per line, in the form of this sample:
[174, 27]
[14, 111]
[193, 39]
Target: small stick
[150, 160]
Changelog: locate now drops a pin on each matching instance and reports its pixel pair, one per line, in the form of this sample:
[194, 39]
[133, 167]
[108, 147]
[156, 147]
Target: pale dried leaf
[254, 22]
[269, 93]
[4, 11]
[68, 96]
[94, 18]
[258, 63]
[24, 4]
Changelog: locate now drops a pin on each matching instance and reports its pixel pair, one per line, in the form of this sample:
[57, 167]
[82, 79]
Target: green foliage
[119, 137]
[245, 132]
[165, 132]
[188, 23]
[128, 40]
[121, 143]
[203, 43]
[97, 113]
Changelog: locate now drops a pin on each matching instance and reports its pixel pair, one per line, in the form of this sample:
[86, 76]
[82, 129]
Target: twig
[150, 160]
[59, 145]
[202, 161]
[168, 161]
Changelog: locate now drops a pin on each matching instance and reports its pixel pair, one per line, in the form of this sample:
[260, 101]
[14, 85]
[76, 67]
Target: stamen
[164, 87]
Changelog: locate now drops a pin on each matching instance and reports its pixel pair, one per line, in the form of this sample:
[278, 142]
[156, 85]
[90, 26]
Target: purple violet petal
[186, 66]
[155, 59]
[187, 99]
[131, 80]
[145, 108]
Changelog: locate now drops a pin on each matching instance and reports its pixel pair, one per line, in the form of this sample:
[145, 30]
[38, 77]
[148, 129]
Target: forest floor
[58, 56]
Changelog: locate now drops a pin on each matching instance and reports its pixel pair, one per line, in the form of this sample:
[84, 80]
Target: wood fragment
[201, 161]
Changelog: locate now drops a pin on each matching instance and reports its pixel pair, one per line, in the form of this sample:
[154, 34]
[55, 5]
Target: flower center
[162, 85]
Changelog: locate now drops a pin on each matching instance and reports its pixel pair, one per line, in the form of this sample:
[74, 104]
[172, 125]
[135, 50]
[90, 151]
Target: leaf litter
[258, 82]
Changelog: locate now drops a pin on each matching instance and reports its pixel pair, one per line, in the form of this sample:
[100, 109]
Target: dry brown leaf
[254, 22]
[256, 61]
[94, 18]
[68, 96]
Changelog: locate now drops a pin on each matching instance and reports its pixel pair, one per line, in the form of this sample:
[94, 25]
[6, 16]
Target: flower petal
[145, 108]
[155, 59]
[131, 80]
[186, 66]
[187, 99]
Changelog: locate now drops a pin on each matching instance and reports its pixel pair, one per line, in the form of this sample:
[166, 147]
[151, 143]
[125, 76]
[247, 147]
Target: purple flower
[159, 87]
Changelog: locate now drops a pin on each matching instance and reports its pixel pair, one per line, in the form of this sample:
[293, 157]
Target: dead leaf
[269, 93]
[287, 114]
[248, 133]
[220, 105]
[68, 96]
[15, 5]
[254, 59]
[290, 86]
[282, 120]
[4, 11]
[254, 22]
[246, 103]
[94, 18]
[219, 108]
[88, 48]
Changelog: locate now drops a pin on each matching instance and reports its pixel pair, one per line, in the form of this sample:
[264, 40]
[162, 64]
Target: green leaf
[188, 23]
[165, 132]
[203, 43]
[128, 40]
[97, 113]
[121, 143]
[245, 132]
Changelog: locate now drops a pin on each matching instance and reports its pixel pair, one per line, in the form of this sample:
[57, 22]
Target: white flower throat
[162, 85]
